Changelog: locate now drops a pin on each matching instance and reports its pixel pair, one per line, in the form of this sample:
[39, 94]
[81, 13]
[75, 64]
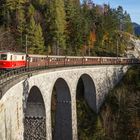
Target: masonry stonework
[12, 103]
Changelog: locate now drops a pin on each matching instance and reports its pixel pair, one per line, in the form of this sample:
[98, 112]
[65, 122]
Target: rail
[10, 76]
[14, 74]
[7, 77]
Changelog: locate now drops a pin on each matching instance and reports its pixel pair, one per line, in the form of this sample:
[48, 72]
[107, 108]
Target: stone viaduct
[30, 99]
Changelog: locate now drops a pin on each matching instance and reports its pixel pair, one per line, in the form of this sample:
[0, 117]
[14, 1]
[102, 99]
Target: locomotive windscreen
[3, 56]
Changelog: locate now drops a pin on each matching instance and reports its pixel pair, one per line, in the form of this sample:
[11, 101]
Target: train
[14, 60]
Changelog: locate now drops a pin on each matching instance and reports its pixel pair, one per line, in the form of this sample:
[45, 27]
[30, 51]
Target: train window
[15, 57]
[30, 59]
[22, 57]
[35, 59]
[3, 57]
[11, 57]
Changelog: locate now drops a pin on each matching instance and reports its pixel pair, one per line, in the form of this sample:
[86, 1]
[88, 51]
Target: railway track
[2, 72]
[7, 77]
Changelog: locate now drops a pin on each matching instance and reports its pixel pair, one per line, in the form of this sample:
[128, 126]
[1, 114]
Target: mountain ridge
[136, 27]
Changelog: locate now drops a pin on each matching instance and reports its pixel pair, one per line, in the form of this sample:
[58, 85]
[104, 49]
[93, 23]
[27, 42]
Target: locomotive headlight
[86, 59]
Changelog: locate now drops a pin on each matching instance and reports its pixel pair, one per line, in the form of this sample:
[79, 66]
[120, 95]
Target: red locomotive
[12, 60]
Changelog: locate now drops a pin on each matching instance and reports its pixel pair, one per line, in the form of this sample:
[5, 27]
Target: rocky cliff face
[134, 49]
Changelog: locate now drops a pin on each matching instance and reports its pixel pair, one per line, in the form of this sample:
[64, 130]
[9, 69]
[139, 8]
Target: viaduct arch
[62, 116]
[35, 116]
[88, 89]
[96, 80]
[85, 98]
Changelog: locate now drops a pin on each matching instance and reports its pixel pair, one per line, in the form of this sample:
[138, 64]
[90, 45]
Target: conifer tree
[35, 35]
[120, 17]
[30, 31]
[2, 12]
[87, 24]
[38, 40]
[74, 27]
[57, 24]
[31, 10]
[60, 22]
[127, 23]
[21, 25]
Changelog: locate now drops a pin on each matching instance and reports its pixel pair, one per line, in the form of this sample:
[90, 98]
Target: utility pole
[21, 40]
[89, 51]
[26, 51]
[117, 47]
[57, 48]
[119, 29]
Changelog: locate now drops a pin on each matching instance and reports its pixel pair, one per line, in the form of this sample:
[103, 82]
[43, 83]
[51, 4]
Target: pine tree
[60, 22]
[31, 10]
[110, 25]
[35, 39]
[56, 25]
[38, 40]
[2, 12]
[41, 2]
[88, 25]
[30, 31]
[127, 23]
[73, 27]
[120, 15]
[21, 27]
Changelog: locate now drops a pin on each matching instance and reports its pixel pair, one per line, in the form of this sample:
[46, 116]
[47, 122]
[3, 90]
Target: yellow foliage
[92, 39]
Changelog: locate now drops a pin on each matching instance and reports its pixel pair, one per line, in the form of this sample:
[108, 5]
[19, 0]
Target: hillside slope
[118, 118]
[120, 113]
[136, 29]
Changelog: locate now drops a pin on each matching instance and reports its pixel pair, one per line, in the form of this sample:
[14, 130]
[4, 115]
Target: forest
[64, 27]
